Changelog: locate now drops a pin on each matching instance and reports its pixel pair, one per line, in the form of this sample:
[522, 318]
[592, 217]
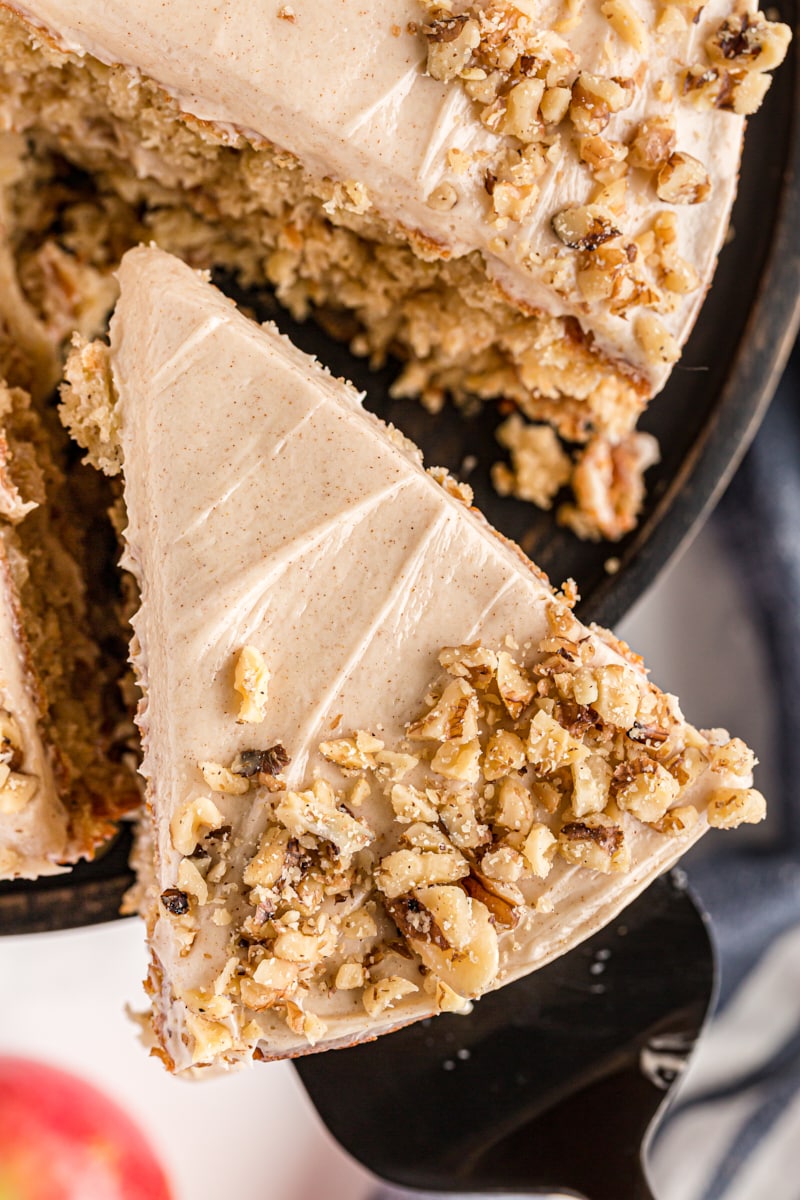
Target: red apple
[62, 1139]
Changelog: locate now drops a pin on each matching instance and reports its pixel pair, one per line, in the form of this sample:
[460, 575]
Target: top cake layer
[344, 88]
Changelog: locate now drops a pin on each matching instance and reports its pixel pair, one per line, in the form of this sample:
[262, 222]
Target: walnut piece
[584, 226]
[683, 179]
[377, 997]
[251, 679]
[652, 144]
[221, 779]
[731, 807]
[189, 822]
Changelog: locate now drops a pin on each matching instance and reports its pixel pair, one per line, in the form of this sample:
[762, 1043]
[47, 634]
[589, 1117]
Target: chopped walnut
[410, 804]
[267, 866]
[443, 198]
[554, 104]
[591, 780]
[733, 758]
[644, 788]
[457, 814]
[514, 684]
[356, 753]
[259, 764]
[683, 179]
[625, 21]
[594, 100]
[317, 812]
[377, 997]
[584, 227]
[513, 809]
[750, 42]
[550, 746]
[521, 118]
[469, 969]
[211, 1038]
[655, 339]
[618, 694]
[251, 679]
[502, 864]
[307, 1024]
[191, 882]
[189, 822]
[405, 870]
[221, 779]
[451, 41]
[458, 760]
[731, 807]
[474, 662]
[175, 902]
[17, 791]
[604, 158]
[539, 849]
[277, 974]
[304, 948]
[652, 144]
[445, 998]
[350, 976]
[677, 820]
[454, 718]
[505, 752]
[394, 764]
[595, 843]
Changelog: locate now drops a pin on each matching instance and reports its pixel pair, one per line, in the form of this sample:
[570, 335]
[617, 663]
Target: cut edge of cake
[66, 778]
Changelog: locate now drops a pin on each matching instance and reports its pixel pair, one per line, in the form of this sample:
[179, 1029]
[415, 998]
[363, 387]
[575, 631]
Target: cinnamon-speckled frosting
[267, 508]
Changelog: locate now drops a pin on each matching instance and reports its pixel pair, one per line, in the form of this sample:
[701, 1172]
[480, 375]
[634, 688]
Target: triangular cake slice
[387, 766]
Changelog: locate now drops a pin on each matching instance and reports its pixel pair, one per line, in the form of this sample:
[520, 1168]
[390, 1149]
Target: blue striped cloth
[734, 1130]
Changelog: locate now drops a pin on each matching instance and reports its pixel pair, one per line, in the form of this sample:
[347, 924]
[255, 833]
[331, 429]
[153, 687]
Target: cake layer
[387, 766]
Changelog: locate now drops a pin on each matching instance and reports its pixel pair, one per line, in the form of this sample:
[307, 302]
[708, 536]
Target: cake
[387, 767]
[521, 199]
[64, 734]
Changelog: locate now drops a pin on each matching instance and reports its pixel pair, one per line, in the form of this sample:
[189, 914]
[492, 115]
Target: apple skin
[63, 1139]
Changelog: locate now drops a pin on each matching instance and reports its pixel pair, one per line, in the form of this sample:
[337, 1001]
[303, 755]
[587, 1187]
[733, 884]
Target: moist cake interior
[64, 626]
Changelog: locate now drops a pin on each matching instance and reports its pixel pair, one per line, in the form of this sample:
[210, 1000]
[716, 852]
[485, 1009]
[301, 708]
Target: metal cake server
[554, 1084]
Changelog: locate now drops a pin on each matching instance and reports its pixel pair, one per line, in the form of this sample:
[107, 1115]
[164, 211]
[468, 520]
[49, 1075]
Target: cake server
[553, 1085]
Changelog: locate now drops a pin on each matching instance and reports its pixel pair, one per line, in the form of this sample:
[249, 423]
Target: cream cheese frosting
[342, 86]
[266, 508]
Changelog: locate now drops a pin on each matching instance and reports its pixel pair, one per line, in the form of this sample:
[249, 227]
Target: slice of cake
[522, 198]
[388, 768]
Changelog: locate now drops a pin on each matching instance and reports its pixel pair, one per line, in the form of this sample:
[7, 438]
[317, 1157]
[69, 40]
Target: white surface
[252, 1135]
[62, 995]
